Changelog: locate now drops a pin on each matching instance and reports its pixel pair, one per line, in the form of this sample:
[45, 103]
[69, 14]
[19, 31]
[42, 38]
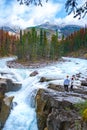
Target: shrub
[82, 109]
[84, 115]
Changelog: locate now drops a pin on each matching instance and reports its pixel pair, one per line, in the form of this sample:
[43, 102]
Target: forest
[34, 46]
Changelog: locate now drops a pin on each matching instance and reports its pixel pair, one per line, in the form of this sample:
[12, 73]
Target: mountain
[66, 30]
[62, 29]
[50, 28]
[10, 29]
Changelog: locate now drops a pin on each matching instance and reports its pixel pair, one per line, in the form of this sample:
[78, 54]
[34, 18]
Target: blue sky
[11, 13]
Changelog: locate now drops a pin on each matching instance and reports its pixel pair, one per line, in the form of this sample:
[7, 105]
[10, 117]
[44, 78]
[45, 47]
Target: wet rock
[13, 86]
[56, 111]
[5, 108]
[46, 79]
[34, 73]
[43, 79]
[13, 104]
[57, 87]
[78, 75]
[3, 86]
[7, 85]
[84, 83]
[42, 111]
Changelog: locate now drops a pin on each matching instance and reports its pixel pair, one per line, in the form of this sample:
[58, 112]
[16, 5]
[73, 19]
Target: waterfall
[22, 116]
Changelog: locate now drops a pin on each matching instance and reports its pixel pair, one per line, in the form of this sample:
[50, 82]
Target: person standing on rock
[72, 83]
[66, 83]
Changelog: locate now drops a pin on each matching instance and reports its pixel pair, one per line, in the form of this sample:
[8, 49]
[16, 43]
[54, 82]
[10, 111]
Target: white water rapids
[23, 115]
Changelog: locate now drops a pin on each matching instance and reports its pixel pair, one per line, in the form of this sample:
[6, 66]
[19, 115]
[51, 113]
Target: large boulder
[84, 82]
[34, 73]
[5, 107]
[7, 85]
[57, 87]
[3, 86]
[13, 86]
[56, 110]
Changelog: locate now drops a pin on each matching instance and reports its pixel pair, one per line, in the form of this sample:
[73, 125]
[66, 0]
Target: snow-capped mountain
[10, 29]
[62, 28]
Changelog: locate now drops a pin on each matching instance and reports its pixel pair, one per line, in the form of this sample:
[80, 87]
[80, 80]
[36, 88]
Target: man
[66, 83]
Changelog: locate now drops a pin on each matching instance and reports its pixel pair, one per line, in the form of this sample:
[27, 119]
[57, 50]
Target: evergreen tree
[20, 47]
[54, 47]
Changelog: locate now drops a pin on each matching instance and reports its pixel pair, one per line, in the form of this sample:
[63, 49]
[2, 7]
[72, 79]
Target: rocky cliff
[6, 85]
[56, 110]
[5, 107]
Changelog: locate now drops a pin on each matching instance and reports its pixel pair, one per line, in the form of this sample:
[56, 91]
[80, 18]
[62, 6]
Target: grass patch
[82, 109]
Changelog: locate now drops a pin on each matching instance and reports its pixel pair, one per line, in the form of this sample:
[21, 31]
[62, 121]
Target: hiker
[71, 86]
[72, 83]
[66, 83]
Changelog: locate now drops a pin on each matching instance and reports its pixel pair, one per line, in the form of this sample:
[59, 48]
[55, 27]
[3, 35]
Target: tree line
[7, 43]
[33, 45]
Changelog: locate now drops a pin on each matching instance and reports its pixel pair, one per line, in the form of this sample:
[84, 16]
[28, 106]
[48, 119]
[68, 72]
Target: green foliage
[84, 115]
[54, 47]
[67, 109]
[82, 109]
[36, 44]
[75, 41]
[7, 43]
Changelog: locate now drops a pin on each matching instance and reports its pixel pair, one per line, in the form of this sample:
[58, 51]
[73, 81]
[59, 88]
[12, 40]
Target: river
[23, 115]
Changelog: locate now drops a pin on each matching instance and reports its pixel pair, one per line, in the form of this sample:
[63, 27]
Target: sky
[14, 14]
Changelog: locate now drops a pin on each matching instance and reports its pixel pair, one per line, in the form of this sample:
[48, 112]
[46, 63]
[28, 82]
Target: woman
[72, 83]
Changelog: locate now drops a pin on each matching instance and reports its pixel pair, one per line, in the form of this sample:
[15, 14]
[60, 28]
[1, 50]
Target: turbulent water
[23, 116]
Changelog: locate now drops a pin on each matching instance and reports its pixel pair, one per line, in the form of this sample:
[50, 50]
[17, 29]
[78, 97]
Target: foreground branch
[72, 6]
[28, 2]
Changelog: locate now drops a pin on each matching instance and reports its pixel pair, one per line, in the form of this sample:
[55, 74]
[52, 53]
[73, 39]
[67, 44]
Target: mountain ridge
[10, 29]
[63, 29]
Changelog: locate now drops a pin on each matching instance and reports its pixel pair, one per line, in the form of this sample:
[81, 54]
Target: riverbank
[82, 53]
[29, 64]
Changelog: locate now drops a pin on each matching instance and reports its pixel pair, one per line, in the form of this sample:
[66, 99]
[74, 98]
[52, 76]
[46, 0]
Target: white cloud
[69, 19]
[28, 16]
[24, 16]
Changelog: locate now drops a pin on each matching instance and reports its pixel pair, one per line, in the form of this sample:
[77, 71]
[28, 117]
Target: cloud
[28, 16]
[71, 21]
[11, 13]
